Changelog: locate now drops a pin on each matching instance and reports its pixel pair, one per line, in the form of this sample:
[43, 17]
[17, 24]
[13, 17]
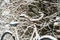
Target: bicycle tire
[5, 34]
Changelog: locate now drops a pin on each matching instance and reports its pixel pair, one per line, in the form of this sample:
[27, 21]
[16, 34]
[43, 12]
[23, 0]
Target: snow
[57, 18]
[6, 12]
[7, 1]
[57, 24]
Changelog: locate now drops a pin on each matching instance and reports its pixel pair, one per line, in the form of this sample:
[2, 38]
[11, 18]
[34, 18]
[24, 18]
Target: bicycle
[44, 26]
[7, 34]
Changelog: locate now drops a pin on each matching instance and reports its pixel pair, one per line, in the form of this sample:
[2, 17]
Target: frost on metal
[30, 19]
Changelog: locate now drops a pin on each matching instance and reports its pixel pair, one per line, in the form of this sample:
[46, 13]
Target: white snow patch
[7, 1]
[6, 12]
[57, 24]
[57, 18]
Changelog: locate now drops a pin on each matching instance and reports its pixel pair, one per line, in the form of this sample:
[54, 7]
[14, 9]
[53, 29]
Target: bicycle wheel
[47, 37]
[7, 36]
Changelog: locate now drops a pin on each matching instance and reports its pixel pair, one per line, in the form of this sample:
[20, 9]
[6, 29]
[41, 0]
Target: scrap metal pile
[31, 19]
